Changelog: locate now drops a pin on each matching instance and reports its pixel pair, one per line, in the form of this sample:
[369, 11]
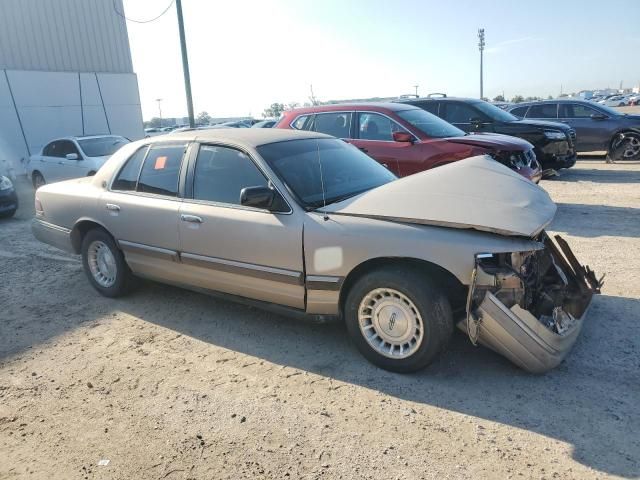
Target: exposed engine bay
[529, 306]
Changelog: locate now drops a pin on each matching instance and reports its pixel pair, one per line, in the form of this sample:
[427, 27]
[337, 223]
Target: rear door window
[543, 110]
[161, 170]
[50, 149]
[336, 124]
[128, 176]
[431, 107]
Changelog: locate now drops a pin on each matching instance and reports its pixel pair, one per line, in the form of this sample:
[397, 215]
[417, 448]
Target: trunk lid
[475, 193]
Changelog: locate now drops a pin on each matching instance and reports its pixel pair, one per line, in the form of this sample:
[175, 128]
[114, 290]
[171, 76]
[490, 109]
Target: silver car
[307, 224]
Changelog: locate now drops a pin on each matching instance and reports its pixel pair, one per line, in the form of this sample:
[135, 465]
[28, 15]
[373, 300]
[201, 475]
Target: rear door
[232, 248]
[141, 209]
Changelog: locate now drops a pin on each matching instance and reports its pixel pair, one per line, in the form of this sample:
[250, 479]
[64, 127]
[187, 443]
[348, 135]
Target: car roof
[375, 106]
[557, 100]
[249, 137]
[437, 99]
[83, 137]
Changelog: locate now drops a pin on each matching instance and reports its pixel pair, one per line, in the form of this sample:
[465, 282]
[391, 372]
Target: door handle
[112, 207]
[191, 218]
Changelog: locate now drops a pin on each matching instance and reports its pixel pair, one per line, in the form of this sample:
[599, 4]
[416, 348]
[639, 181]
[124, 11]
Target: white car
[72, 157]
[617, 101]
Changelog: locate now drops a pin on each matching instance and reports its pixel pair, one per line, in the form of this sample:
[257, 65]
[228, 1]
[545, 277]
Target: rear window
[161, 170]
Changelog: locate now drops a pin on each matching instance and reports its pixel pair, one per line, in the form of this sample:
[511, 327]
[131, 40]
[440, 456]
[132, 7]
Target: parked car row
[407, 139]
[307, 224]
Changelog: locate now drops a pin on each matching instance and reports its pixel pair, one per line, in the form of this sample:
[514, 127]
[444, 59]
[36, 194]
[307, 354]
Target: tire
[38, 180]
[8, 214]
[402, 297]
[104, 264]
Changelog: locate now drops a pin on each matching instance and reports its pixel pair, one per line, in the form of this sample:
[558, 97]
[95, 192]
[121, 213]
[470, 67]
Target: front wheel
[38, 180]
[398, 319]
[104, 264]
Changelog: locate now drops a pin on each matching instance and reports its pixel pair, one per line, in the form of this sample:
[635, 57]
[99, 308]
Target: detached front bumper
[534, 311]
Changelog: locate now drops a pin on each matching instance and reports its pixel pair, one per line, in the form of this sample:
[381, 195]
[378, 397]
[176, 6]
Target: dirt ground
[169, 384]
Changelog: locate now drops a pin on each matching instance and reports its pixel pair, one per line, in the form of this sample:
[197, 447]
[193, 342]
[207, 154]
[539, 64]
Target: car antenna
[324, 199]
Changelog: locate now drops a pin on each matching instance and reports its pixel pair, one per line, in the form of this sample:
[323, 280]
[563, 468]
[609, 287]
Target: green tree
[153, 123]
[498, 98]
[274, 111]
[203, 118]
[517, 99]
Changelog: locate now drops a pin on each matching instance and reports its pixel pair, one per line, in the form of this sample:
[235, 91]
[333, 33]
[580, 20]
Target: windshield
[101, 146]
[495, 113]
[429, 124]
[346, 171]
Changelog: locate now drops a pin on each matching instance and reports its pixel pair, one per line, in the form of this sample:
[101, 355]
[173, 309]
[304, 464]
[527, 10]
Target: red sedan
[407, 140]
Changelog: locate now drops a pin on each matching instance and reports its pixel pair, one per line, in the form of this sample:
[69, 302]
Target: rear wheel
[104, 264]
[398, 319]
[38, 180]
[625, 146]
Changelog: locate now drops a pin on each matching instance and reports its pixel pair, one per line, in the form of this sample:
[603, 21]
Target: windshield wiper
[338, 199]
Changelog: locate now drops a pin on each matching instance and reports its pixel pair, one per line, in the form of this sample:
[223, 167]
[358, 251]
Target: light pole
[481, 48]
[416, 87]
[185, 64]
[159, 100]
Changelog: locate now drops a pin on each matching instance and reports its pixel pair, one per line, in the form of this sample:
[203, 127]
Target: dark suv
[597, 126]
[553, 142]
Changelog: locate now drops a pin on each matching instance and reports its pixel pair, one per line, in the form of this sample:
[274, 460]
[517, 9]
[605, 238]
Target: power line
[115, 8]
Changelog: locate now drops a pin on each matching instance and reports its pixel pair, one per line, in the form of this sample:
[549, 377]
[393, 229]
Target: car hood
[543, 124]
[475, 193]
[493, 141]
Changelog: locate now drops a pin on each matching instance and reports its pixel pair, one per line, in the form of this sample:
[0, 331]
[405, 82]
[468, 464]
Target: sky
[245, 55]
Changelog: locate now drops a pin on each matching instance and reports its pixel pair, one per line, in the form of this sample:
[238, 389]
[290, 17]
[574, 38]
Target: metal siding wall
[64, 35]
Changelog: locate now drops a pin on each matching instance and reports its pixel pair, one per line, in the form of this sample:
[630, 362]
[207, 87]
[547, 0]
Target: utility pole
[416, 87]
[159, 100]
[185, 64]
[481, 48]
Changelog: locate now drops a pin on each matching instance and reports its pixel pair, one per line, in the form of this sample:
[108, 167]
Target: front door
[591, 133]
[227, 247]
[374, 136]
[141, 210]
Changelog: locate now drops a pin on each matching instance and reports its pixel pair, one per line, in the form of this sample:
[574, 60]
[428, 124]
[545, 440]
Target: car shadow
[587, 401]
[579, 219]
[609, 175]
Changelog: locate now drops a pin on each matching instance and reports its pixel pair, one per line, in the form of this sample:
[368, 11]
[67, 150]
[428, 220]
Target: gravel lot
[172, 384]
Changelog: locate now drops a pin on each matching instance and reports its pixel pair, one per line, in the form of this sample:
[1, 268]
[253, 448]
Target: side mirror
[404, 137]
[598, 116]
[257, 197]
[71, 156]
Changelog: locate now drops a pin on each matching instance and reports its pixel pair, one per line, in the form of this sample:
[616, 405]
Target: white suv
[72, 157]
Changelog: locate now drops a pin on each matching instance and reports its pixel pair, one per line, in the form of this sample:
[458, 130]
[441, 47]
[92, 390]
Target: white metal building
[65, 69]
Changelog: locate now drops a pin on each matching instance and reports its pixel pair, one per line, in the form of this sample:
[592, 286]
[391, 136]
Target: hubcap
[102, 263]
[633, 147]
[390, 323]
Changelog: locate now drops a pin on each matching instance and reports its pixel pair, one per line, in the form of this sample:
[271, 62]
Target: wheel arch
[451, 286]
[81, 228]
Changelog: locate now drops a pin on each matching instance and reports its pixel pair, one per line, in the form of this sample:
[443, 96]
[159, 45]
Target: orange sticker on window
[160, 163]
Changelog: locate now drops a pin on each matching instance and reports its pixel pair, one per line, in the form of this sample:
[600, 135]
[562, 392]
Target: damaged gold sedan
[305, 224]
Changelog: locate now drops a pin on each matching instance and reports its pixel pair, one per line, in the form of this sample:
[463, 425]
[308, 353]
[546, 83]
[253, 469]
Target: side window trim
[190, 179]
